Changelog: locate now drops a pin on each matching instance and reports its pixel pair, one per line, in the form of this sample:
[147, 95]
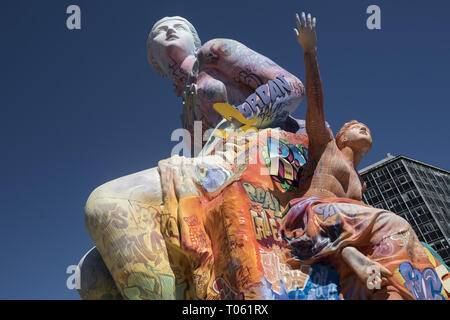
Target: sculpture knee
[94, 215]
[398, 220]
[389, 223]
[112, 199]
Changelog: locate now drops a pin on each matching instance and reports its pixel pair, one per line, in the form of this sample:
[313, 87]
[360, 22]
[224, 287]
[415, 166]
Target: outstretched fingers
[305, 31]
[304, 19]
[297, 20]
[305, 22]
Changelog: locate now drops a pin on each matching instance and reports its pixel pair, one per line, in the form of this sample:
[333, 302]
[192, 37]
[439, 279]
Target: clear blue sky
[80, 108]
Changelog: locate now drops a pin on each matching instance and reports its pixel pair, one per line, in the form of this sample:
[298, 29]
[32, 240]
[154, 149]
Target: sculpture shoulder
[225, 46]
[220, 50]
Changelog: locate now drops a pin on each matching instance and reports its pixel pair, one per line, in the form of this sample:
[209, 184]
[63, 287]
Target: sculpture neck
[353, 157]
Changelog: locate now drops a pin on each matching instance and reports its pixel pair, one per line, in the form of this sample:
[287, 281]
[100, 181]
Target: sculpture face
[171, 42]
[358, 137]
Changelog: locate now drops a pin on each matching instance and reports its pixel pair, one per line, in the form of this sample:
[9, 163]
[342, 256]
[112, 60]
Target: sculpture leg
[381, 243]
[122, 217]
[389, 242]
[398, 248]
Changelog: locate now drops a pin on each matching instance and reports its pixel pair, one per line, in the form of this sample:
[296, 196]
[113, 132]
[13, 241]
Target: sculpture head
[355, 135]
[170, 41]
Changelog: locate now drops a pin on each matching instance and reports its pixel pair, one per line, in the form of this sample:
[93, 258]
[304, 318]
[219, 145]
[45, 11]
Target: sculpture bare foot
[370, 272]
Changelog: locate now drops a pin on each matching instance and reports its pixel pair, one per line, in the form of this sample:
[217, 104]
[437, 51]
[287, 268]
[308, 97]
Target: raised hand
[306, 32]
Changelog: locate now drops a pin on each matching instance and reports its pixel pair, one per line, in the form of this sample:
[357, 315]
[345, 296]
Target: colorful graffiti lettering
[136, 247]
[322, 284]
[266, 94]
[276, 273]
[284, 161]
[327, 210]
[263, 197]
[330, 209]
[270, 294]
[424, 285]
[196, 235]
[266, 228]
[442, 270]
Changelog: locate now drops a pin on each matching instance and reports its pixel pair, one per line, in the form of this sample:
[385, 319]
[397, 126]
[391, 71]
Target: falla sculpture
[273, 211]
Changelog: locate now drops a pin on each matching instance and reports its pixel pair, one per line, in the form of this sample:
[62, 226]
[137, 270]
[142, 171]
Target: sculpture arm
[274, 93]
[316, 127]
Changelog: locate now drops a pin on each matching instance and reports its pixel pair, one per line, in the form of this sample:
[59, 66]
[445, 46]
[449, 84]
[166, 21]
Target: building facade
[416, 191]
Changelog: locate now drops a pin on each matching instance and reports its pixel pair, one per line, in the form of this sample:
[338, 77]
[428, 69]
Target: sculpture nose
[171, 33]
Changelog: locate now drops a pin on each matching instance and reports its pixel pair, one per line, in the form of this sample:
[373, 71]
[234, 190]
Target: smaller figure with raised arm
[369, 247]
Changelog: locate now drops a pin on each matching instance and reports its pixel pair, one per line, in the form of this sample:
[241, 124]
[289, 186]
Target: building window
[386, 186]
[428, 227]
[371, 193]
[396, 165]
[419, 211]
[376, 174]
[396, 205]
[410, 195]
[393, 204]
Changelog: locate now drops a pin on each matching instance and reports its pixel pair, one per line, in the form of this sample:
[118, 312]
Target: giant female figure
[146, 226]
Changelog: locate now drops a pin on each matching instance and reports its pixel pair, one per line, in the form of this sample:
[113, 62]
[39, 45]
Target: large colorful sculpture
[273, 212]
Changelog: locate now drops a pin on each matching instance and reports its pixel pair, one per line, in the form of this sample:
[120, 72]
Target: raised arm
[318, 132]
[273, 93]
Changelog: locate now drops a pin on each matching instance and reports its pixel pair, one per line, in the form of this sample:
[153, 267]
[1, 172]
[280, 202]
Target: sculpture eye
[159, 30]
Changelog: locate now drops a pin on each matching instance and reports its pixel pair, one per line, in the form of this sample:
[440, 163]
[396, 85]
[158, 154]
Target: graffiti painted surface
[318, 229]
[221, 224]
[231, 238]
[424, 285]
[285, 161]
[216, 227]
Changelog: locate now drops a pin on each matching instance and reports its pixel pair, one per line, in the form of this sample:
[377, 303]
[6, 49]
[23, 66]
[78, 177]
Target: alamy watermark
[74, 280]
[374, 20]
[73, 21]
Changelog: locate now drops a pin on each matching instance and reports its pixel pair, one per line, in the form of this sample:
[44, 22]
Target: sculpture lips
[171, 36]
